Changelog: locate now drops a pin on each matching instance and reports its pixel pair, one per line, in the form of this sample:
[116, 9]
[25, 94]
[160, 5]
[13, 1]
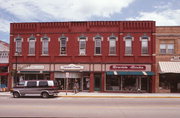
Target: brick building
[106, 56]
[4, 63]
[168, 59]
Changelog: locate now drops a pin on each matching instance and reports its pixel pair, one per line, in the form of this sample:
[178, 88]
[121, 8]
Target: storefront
[3, 77]
[129, 78]
[169, 77]
[66, 75]
[32, 72]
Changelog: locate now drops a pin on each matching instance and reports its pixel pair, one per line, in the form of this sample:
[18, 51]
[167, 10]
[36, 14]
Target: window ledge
[63, 55]
[113, 55]
[31, 55]
[97, 54]
[144, 55]
[82, 55]
[45, 55]
[129, 55]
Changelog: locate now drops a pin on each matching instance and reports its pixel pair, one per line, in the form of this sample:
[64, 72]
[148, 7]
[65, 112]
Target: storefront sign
[32, 67]
[128, 67]
[72, 67]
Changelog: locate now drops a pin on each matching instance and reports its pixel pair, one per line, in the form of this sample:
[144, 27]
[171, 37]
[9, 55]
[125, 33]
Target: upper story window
[166, 48]
[82, 45]
[45, 45]
[128, 44]
[18, 41]
[144, 44]
[112, 44]
[63, 45]
[97, 40]
[32, 41]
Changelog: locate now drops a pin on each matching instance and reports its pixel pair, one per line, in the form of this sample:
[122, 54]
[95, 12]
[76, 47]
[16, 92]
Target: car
[44, 88]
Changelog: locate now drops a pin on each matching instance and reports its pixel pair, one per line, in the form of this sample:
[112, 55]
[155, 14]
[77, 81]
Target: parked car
[44, 88]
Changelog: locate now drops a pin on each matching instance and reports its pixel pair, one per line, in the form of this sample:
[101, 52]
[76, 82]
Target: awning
[169, 67]
[33, 72]
[4, 74]
[130, 73]
[4, 65]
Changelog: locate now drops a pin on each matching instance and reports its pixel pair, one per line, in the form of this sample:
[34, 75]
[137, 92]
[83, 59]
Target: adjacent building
[4, 63]
[106, 56]
[168, 59]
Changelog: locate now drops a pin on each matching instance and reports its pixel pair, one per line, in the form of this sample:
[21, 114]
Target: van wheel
[45, 95]
[16, 95]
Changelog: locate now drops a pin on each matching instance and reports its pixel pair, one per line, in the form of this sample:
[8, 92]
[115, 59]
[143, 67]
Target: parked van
[44, 88]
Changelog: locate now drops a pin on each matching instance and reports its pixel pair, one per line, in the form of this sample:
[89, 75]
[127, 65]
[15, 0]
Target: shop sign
[128, 67]
[32, 67]
[72, 67]
[175, 58]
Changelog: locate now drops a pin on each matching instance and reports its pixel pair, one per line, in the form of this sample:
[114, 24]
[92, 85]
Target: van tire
[45, 95]
[16, 95]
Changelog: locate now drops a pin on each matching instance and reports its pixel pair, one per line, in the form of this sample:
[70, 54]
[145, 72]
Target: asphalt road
[90, 107]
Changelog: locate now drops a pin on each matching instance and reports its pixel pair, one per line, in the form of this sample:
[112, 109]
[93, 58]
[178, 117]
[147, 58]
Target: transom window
[63, 45]
[32, 41]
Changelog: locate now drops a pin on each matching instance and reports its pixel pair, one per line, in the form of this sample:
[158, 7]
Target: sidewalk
[111, 95]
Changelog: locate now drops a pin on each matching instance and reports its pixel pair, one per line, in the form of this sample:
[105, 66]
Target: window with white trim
[144, 44]
[128, 45]
[63, 45]
[18, 41]
[166, 48]
[97, 41]
[45, 45]
[82, 47]
[32, 42]
[112, 45]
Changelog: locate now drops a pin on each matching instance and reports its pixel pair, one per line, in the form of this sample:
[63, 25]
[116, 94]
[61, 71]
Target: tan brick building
[168, 59]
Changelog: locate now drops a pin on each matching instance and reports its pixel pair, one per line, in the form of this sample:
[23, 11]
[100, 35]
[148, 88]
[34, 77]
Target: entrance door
[97, 82]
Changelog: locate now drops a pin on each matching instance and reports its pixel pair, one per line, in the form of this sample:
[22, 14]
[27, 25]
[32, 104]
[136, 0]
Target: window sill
[113, 55]
[63, 55]
[82, 55]
[128, 55]
[45, 55]
[98, 55]
[145, 55]
[31, 55]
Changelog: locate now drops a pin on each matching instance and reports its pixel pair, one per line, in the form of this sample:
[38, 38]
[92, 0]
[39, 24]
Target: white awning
[169, 67]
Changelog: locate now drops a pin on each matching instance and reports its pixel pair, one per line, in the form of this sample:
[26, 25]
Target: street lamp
[15, 79]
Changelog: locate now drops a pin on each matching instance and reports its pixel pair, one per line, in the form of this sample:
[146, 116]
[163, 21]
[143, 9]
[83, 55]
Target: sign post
[67, 76]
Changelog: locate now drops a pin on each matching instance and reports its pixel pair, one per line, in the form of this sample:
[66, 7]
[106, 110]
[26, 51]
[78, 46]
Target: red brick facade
[73, 30]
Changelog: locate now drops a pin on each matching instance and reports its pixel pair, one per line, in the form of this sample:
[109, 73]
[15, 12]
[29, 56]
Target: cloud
[63, 9]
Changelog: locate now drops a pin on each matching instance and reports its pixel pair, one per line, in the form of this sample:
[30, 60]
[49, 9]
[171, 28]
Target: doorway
[97, 82]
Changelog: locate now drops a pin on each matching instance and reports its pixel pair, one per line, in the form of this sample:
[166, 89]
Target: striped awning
[169, 67]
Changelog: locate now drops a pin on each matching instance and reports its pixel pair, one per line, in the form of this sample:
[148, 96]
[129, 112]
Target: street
[90, 107]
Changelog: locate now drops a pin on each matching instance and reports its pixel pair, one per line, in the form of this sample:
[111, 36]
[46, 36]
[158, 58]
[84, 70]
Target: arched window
[18, 41]
[144, 44]
[97, 40]
[82, 44]
[63, 45]
[112, 44]
[32, 42]
[45, 45]
[128, 44]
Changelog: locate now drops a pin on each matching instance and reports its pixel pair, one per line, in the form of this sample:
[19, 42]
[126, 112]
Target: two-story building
[4, 63]
[168, 59]
[106, 56]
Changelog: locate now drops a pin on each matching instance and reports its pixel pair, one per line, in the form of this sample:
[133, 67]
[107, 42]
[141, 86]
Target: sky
[164, 12]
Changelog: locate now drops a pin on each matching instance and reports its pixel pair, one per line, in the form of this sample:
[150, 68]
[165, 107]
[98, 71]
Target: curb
[120, 96]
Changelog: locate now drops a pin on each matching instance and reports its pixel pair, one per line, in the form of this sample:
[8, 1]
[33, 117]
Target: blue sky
[164, 12]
